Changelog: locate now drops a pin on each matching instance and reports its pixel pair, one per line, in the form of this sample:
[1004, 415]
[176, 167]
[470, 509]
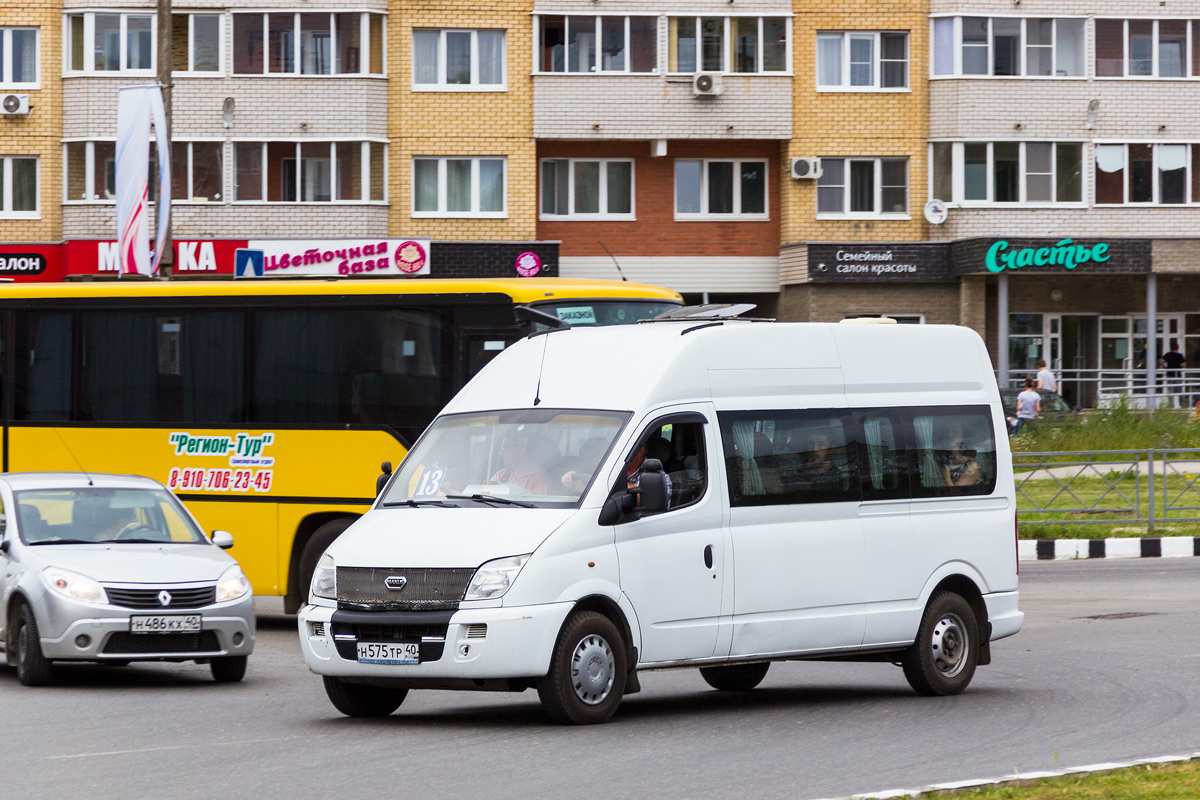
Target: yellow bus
[267, 406]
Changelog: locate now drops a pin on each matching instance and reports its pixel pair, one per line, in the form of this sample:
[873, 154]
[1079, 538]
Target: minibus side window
[954, 452]
[680, 448]
[786, 457]
[884, 456]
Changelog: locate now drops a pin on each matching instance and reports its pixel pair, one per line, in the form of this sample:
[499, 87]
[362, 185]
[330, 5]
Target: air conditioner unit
[705, 84]
[15, 104]
[806, 169]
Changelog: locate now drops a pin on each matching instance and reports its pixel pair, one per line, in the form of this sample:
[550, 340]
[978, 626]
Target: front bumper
[93, 633]
[477, 644]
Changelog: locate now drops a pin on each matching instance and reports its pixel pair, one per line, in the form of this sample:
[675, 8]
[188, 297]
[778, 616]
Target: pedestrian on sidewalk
[1029, 406]
[1045, 378]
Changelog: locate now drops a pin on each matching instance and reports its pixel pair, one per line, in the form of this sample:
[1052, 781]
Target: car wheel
[943, 658]
[33, 669]
[361, 700]
[587, 671]
[735, 677]
[228, 669]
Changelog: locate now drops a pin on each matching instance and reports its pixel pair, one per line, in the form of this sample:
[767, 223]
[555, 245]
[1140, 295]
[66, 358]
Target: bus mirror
[381, 481]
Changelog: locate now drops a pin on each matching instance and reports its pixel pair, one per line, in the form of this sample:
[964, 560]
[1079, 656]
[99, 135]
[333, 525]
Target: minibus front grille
[401, 588]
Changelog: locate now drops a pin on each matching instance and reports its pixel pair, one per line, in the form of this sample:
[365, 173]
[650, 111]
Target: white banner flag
[136, 105]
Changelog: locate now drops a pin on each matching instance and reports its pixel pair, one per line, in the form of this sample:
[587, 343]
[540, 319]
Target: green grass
[1082, 498]
[1116, 428]
[1176, 781]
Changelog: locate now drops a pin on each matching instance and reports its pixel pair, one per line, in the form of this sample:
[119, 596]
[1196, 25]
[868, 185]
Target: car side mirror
[652, 488]
[222, 539]
[380, 482]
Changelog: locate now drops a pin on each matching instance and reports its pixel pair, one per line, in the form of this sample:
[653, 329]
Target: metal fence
[1113, 487]
[1090, 388]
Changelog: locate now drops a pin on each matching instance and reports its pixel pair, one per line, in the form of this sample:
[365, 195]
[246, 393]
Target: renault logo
[395, 582]
[164, 598]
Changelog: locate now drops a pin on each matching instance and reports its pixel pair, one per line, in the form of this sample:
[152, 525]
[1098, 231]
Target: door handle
[708, 561]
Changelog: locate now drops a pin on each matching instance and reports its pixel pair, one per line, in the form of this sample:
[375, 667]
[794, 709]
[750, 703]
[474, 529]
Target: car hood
[444, 537]
[138, 563]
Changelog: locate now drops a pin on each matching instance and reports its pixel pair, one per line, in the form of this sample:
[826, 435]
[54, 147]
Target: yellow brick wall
[40, 133]
[462, 123]
[857, 123]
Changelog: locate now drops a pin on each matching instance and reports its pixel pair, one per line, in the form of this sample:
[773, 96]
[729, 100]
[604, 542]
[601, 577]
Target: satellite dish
[936, 211]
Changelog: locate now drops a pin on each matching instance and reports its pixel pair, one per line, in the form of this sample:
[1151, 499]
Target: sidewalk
[1131, 547]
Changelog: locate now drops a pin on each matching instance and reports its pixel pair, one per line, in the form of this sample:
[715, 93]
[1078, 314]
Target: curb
[1132, 547]
[1020, 777]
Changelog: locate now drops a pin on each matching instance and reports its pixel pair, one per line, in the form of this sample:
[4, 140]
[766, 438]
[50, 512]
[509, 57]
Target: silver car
[113, 568]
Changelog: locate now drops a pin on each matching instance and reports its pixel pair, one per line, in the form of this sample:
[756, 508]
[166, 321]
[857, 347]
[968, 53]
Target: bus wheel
[735, 677]
[587, 671]
[361, 700]
[943, 658]
[313, 550]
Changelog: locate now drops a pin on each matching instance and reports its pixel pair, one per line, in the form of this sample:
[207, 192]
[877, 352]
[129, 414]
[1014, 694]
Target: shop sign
[892, 262]
[30, 262]
[1065, 254]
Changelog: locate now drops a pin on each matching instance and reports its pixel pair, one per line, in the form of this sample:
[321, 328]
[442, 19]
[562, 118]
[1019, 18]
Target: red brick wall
[655, 231]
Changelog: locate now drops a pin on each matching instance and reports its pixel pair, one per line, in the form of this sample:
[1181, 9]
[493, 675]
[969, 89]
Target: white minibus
[717, 493]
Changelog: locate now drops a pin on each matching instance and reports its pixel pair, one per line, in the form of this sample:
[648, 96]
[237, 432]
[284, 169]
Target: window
[197, 171]
[679, 446]
[863, 186]
[1147, 48]
[756, 44]
[597, 44]
[452, 186]
[458, 59]
[309, 172]
[719, 188]
[19, 57]
[953, 453]
[863, 60]
[1147, 173]
[1007, 46]
[308, 44]
[1007, 172]
[787, 457]
[112, 42]
[196, 43]
[598, 188]
[92, 172]
[20, 179]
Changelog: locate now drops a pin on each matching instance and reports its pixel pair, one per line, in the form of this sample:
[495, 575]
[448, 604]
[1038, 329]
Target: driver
[116, 523]
[520, 467]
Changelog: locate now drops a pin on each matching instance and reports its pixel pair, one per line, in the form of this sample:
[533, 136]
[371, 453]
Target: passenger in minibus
[959, 467]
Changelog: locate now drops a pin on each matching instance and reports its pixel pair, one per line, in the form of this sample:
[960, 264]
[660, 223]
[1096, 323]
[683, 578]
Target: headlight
[324, 579]
[233, 584]
[74, 585]
[494, 577]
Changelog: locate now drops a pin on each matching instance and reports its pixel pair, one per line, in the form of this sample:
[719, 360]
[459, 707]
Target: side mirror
[222, 539]
[381, 481]
[652, 488]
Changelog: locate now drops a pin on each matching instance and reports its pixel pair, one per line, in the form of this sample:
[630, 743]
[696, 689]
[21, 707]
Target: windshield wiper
[141, 541]
[488, 498]
[64, 541]
[417, 503]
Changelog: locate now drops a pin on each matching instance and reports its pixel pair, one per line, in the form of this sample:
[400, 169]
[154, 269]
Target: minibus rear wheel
[587, 671]
[943, 658]
[735, 677]
[361, 700]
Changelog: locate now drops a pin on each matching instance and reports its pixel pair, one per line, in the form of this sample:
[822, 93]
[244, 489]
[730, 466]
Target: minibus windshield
[543, 458]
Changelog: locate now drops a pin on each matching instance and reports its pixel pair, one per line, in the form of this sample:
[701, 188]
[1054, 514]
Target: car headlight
[75, 586]
[232, 585]
[324, 579]
[493, 578]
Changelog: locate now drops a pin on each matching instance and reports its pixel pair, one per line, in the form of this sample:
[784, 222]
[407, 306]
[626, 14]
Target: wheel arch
[609, 607]
[308, 526]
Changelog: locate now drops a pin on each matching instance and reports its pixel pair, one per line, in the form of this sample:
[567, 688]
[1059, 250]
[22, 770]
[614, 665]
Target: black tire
[360, 700]
[942, 660]
[228, 669]
[33, 669]
[735, 677]
[313, 550]
[587, 671]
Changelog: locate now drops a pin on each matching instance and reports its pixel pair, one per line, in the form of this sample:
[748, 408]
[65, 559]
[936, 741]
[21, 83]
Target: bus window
[43, 367]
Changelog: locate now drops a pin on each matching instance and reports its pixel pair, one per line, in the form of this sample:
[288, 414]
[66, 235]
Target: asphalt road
[1069, 689]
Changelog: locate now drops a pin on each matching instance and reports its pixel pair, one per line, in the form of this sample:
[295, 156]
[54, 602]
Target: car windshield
[94, 514]
[537, 457]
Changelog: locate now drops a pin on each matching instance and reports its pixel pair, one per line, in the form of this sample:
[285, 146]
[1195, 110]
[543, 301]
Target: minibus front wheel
[587, 671]
[943, 658]
[362, 700]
